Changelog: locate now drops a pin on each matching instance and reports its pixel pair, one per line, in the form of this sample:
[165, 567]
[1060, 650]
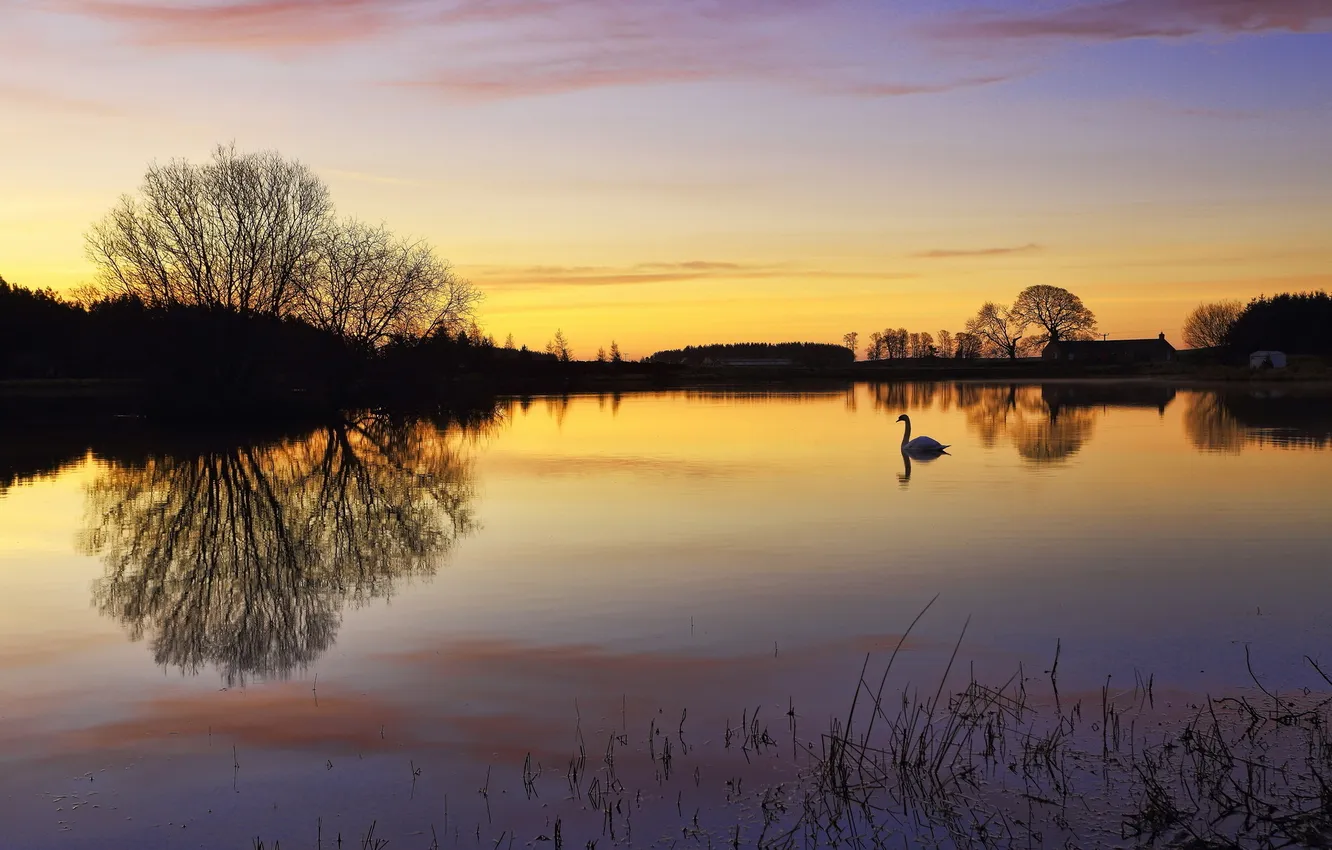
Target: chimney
[1162, 336]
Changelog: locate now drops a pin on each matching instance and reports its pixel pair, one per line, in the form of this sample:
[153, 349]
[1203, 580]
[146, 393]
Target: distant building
[1111, 351]
[748, 362]
[1267, 360]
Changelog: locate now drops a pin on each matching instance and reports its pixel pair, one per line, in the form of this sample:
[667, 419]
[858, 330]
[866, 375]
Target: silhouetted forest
[810, 354]
[1297, 323]
[194, 360]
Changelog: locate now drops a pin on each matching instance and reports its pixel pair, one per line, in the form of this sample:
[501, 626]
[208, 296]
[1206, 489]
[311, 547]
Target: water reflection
[243, 557]
[1228, 420]
[1045, 423]
[904, 477]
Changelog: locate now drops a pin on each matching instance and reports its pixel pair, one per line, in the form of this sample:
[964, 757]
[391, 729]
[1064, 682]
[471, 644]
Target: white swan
[920, 445]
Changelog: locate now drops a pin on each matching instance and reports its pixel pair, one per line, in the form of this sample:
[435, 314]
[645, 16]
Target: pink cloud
[496, 49]
[249, 24]
[1125, 19]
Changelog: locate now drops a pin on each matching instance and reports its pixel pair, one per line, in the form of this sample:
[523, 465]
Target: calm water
[206, 639]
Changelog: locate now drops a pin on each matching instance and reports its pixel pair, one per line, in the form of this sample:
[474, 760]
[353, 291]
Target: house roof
[1112, 344]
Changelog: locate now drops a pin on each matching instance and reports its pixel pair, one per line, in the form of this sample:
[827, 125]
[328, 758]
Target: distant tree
[601, 355]
[810, 354]
[922, 345]
[896, 343]
[1058, 312]
[1000, 330]
[508, 342]
[1297, 323]
[615, 355]
[559, 346]
[1209, 323]
[944, 346]
[850, 340]
[875, 349]
[966, 346]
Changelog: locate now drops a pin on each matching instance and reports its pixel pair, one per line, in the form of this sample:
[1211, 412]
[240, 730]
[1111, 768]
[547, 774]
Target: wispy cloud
[245, 24]
[54, 101]
[1126, 19]
[500, 49]
[952, 253]
[533, 277]
[906, 89]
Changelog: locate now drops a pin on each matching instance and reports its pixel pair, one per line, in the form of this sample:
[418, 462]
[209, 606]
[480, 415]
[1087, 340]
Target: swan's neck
[906, 435]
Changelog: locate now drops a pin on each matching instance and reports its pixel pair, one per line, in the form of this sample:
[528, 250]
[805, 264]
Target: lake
[475, 631]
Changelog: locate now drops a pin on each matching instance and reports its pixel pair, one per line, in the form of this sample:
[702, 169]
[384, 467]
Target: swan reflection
[243, 557]
[904, 477]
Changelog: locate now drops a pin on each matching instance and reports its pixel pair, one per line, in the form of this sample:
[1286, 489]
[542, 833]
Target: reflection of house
[1060, 396]
[1267, 360]
[1111, 351]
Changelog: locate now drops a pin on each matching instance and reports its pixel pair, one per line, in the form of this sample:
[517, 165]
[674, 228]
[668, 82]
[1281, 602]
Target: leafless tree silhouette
[369, 286]
[1000, 330]
[1209, 323]
[255, 233]
[238, 232]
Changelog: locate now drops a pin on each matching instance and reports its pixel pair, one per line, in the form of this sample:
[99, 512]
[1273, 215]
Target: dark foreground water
[464, 633]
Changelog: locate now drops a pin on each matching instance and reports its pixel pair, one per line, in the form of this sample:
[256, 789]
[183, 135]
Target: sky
[674, 172]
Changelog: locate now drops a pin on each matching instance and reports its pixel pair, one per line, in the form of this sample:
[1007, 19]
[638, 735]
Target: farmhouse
[1111, 351]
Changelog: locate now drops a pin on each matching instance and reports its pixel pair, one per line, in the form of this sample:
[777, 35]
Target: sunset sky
[667, 172]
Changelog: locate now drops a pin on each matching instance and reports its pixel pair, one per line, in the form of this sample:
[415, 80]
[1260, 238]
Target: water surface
[206, 638]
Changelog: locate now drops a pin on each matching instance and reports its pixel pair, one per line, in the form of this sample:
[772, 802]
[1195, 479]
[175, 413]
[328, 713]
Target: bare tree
[896, 343]
[944, 347]
[1209, 323]
[1058, 312]
[615, 355]
[369, 286]
[850, 340]
[875, 349]
[254, 233]
[1000, 330]
[601, 355]
[240, 232]
[966, 346]
[922, 345]
[508, 342]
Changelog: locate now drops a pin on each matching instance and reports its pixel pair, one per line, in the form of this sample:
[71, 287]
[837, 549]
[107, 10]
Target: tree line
[234, 282]
[1294, 322]
[809, 354]
[1039, 315]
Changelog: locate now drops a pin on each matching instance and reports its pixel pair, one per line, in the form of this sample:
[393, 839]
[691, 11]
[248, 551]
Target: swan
[920, 445]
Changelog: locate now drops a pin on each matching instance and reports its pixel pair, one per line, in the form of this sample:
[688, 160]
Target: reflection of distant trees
[1227, 421]
[1210, 427]
[1043, 429]
[243, 557]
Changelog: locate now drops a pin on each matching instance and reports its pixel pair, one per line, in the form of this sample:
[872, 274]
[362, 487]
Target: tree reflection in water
[244, 557]
[1043, 425]
[1289, 418]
